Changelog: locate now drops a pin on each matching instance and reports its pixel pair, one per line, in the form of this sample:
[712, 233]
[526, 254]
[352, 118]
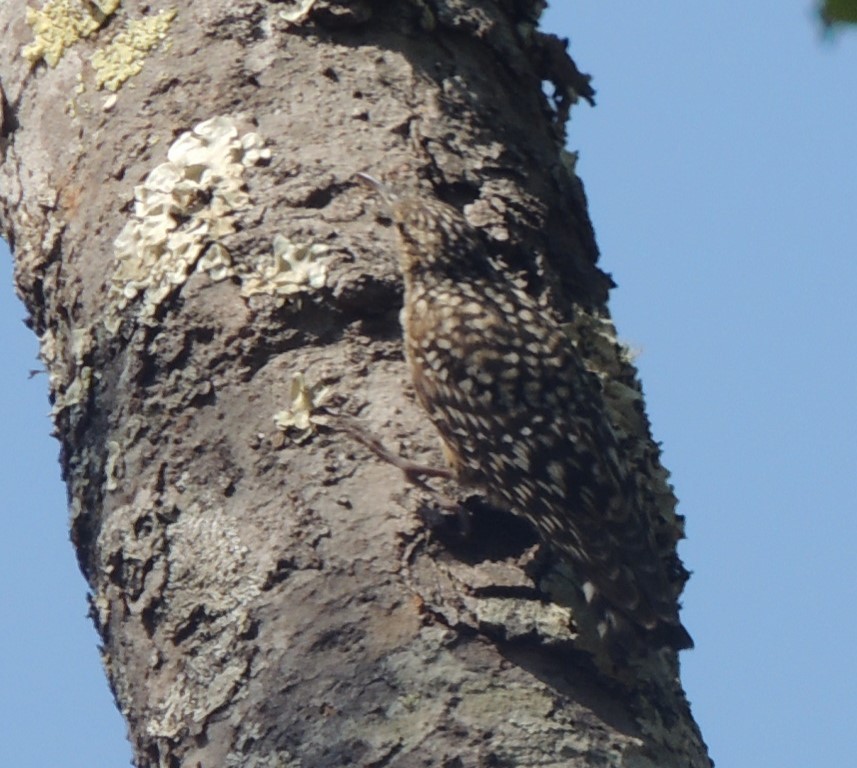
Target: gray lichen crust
[199, 569]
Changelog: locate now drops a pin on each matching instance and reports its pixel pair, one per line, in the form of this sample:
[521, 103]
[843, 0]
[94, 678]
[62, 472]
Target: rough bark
[198, 264]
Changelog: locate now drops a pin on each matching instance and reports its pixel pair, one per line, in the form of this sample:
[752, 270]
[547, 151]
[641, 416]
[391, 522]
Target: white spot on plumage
[557, 473]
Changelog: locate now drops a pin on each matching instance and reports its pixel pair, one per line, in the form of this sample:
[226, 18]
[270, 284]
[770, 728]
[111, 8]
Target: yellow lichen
[124, 56]
[59, 24]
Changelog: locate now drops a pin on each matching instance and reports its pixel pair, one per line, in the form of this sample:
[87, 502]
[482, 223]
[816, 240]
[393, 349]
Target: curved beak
[381, 189]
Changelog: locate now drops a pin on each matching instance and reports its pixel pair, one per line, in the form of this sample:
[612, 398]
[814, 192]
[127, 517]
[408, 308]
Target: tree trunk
[211, 289]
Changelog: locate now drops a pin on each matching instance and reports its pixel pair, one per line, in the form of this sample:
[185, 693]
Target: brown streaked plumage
[521, 419]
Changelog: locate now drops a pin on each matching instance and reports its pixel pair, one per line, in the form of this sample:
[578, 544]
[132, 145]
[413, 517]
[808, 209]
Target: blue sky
[721, 172]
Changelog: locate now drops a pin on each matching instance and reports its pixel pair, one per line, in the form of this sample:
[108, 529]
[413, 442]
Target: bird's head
[432, 234]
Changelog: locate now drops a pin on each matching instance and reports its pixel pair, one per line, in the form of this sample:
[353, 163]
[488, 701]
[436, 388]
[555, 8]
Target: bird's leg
[414, 472]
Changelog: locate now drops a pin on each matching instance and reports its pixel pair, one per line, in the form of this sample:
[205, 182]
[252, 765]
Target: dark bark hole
[480, 532]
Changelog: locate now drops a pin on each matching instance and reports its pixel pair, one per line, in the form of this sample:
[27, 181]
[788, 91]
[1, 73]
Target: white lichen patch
[126, 53]
[184, 207]
[59, 24]
[216, 262]
[290, 268]
[300, 415]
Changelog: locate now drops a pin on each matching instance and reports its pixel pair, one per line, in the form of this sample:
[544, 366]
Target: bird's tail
[626, 636]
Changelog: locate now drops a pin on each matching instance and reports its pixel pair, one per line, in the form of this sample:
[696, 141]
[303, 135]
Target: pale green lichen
[126, 53]
[594, 335]
[288, 269]
[595, 338]
[69, 377]
[428, 21]
[300, 414]
[183, 207]
[59, 24]
[569, 161]
[291, 268]
[297, 11]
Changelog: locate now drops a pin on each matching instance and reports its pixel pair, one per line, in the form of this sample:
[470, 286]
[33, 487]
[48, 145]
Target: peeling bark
[189, 243]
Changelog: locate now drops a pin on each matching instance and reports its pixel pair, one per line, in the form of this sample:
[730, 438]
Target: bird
[522, 420]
